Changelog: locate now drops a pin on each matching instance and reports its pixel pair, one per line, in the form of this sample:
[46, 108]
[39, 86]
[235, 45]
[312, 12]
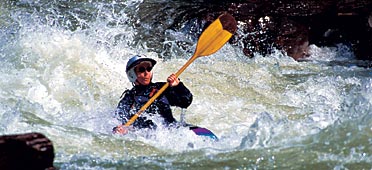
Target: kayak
[200, 131]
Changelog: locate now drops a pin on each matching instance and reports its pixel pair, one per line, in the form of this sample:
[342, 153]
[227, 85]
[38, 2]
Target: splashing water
[63, 71]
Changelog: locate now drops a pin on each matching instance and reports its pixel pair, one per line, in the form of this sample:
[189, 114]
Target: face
[144, 74]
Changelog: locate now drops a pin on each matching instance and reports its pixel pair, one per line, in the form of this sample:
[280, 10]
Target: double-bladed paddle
[210, 41]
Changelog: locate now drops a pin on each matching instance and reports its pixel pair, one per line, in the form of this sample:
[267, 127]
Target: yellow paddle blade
[213, 38]
[216, 35]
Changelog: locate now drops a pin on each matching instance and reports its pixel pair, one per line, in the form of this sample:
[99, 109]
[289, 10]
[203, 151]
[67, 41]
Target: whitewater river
[62, 68]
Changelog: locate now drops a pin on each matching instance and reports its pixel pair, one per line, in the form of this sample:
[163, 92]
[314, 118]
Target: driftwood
[31, 151]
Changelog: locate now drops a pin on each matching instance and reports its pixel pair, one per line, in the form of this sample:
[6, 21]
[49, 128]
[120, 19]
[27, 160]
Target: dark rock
[264, 25]
[296, 24]
[31, 151]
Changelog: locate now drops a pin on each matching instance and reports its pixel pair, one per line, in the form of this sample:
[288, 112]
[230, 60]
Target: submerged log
[26, 151]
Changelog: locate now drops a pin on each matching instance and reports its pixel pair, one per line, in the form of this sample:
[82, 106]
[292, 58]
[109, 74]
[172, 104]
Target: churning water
[62, 67]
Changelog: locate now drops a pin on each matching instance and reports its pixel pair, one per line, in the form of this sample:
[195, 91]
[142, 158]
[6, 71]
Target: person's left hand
[173, 80]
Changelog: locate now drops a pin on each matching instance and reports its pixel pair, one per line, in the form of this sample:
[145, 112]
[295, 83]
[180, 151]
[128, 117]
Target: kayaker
[139, 72]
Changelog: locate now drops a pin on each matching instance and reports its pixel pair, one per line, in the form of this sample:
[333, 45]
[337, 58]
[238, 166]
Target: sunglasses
[143, 69]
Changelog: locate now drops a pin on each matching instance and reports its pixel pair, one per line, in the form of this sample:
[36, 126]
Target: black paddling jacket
[136, 97]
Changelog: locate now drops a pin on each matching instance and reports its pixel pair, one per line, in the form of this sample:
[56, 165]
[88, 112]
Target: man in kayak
[139, 72]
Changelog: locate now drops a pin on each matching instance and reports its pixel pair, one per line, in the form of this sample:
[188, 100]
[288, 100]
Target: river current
[62, 67]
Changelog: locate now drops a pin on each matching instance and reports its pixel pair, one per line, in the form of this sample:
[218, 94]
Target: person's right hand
[121, 129]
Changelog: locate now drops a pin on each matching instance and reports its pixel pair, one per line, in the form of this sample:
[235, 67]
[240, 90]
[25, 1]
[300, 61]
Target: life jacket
[140, 95]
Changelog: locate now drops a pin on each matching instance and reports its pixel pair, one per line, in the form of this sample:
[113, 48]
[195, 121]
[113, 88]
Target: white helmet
[131, 64]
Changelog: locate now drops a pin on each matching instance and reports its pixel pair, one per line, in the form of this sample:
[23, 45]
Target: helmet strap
[137, 82]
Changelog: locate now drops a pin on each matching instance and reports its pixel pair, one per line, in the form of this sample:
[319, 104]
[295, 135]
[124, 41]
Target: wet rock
[296, 24]
[26, 151]
[289, 25]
